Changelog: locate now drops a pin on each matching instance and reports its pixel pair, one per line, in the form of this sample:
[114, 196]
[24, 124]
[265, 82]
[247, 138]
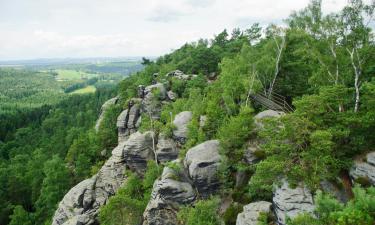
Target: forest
[324, 67]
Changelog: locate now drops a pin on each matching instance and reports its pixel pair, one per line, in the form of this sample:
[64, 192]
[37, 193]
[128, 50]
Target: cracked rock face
[166, 149]
[138, 149]
[128, 122]
[290, 202]
[202, 163]
[251, 212]
[181, 121]
[168, 192]
[81, 204]
[364, 169]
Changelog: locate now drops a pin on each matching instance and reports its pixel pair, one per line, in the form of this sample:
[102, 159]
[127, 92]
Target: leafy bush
[204, 212]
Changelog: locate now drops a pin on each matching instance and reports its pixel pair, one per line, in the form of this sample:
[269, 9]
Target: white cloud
[84, 28]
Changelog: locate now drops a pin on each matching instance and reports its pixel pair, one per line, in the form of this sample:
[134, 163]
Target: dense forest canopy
[322, 64]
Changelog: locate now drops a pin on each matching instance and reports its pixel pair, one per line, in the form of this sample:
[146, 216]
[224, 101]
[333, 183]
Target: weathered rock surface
[103, 109]
[81, 204]
[251, 154]
[171, 95]
[335, 190]
[290, 202]
[266, 114]
[137, 150]
[364, 169]
[168, 192]
[251, 212]
[202, 163]
[181, 121]
[128, 121]
[166, 149]
[178, 74]
[151, 104]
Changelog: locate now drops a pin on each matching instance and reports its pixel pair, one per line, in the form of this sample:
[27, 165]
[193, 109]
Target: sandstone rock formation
[128, 121]
[202, 163]
[181, 121]
[81, 204]
[138, 150]
[103, 109]
[170, 191]
[364, 169]
[151, 104]
[290, 202]
[251, 212]
[166, 149]
[266, 114]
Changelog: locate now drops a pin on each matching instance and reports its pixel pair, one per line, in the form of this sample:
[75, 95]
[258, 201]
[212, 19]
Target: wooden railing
[274, 101]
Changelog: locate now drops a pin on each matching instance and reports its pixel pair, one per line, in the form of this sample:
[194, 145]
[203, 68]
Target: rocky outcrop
[266, 114]
[128, 121]
[363, 170]
[151, 103]
[202, 163]
[181, 122]
[166, 149]
[103, 109]
[251, 212]
[290, 202]
[138, 150]
[170, 191]
[81, 204]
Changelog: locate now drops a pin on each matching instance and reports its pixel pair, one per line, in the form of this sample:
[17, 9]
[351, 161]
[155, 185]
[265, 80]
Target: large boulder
[202, 163]
[80, 206]
[103, 109]
[178, 75]
[363, 170]
[166, 149]
[128, 121]
[170, 191]
[251, 212]
[138, 149]
[289, 202]
[266, 114]
[181, 122]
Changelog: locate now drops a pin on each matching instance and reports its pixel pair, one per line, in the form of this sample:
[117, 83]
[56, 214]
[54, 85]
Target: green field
[63, 75]
[88, 89]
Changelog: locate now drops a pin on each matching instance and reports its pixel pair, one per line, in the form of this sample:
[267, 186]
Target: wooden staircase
[274, 101]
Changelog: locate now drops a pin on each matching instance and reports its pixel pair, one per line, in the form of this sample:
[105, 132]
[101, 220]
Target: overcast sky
[112, 28]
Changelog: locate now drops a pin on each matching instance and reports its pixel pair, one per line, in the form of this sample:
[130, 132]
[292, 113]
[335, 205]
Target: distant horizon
[83, 29]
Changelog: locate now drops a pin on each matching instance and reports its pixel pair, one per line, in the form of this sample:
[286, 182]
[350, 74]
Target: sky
[32, 29]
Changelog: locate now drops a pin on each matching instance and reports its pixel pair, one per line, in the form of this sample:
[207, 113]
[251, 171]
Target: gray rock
[171, 95]
[335, 190]
[103, 109]
[170, 191]
[202, 121]
[364, 169]
[81, 204]
[290, 202]
[251, 212]
[202, 163]
[179, 75]
[166, 149]
[181, 121]
[127, 122]
[250, 154]
[151, 104]
[138, 149]
[266, 114]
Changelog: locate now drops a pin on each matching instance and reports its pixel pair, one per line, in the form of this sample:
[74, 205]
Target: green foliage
[20, 216]
[359, 210]
[204, 212]
[129, 203]
[230, 215]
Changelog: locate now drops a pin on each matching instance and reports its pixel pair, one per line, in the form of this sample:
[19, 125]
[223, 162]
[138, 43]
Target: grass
[88, 89]
[72, 75]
